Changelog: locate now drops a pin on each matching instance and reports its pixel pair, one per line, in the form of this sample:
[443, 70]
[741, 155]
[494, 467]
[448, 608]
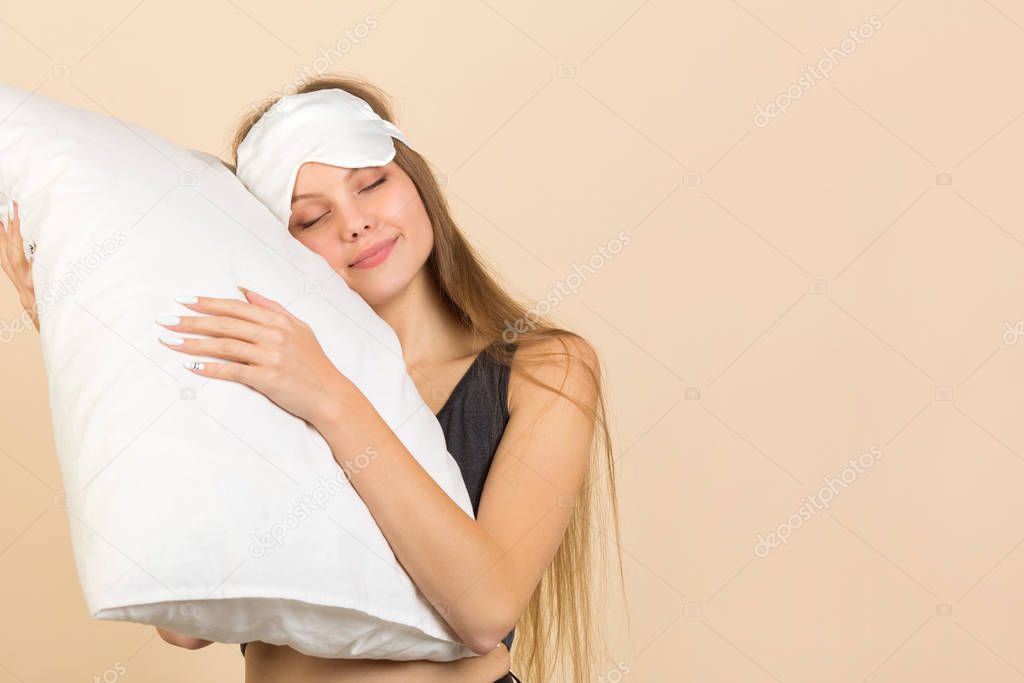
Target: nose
[355, 222]
[354, 232]
[357, 225]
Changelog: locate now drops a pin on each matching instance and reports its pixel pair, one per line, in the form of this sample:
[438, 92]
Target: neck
[428, 332]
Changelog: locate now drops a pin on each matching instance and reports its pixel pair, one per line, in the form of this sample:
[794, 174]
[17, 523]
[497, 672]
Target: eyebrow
[348, 174]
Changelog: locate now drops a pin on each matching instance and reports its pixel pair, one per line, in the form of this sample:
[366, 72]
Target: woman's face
[369, 224]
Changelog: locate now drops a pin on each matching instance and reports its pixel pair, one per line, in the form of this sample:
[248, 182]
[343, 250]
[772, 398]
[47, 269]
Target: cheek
[421, 239]
[414, 223]
[320, 242]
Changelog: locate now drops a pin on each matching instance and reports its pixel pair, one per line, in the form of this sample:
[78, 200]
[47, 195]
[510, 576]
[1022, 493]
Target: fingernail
[187, 299]
[168, 320]
[194, 365]
[173, 341]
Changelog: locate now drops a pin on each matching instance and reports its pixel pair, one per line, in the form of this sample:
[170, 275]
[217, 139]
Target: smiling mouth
[374, 255]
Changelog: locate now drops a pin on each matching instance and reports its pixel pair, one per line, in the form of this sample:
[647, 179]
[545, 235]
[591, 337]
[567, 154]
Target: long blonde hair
[558, 631]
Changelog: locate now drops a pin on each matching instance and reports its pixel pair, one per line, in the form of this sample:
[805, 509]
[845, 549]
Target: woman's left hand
[264, 347]
[16, 264]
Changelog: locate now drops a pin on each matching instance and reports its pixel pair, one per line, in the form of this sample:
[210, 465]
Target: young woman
[520, 402]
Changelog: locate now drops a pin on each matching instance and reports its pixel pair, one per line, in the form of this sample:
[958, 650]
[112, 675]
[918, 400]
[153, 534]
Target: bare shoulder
[555, 410]
[563, 365]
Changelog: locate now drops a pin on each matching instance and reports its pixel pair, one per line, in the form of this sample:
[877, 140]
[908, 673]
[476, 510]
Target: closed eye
[315, 220]
[379, 182]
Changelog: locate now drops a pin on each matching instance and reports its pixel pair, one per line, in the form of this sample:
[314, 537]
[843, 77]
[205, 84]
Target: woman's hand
[265, 347]
[187, 642]
[17, 267]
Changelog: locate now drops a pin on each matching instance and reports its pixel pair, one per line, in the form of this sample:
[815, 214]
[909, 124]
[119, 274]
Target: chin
[380, 291]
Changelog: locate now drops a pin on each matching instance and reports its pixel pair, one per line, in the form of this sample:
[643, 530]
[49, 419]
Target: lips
[368, 254]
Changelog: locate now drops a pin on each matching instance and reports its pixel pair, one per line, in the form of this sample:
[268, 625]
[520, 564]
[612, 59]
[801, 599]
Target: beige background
[847, 276]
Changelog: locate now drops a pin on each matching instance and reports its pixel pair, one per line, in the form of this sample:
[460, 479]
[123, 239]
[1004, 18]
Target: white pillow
[197, 504]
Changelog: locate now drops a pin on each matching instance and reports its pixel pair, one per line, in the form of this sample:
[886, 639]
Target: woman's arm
[187, 642]
[480, 573]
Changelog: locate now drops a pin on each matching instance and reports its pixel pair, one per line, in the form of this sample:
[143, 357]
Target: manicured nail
[187, 299]
[168, 320]
[173, 341]
[194, 365]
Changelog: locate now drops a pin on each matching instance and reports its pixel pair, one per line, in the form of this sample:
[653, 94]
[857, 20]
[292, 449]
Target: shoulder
[555, 410]
[559, 365]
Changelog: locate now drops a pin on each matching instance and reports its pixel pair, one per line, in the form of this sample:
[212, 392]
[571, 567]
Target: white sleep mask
[330, 126]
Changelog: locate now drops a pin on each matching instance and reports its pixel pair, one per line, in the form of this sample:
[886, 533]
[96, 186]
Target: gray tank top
[473, 420]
